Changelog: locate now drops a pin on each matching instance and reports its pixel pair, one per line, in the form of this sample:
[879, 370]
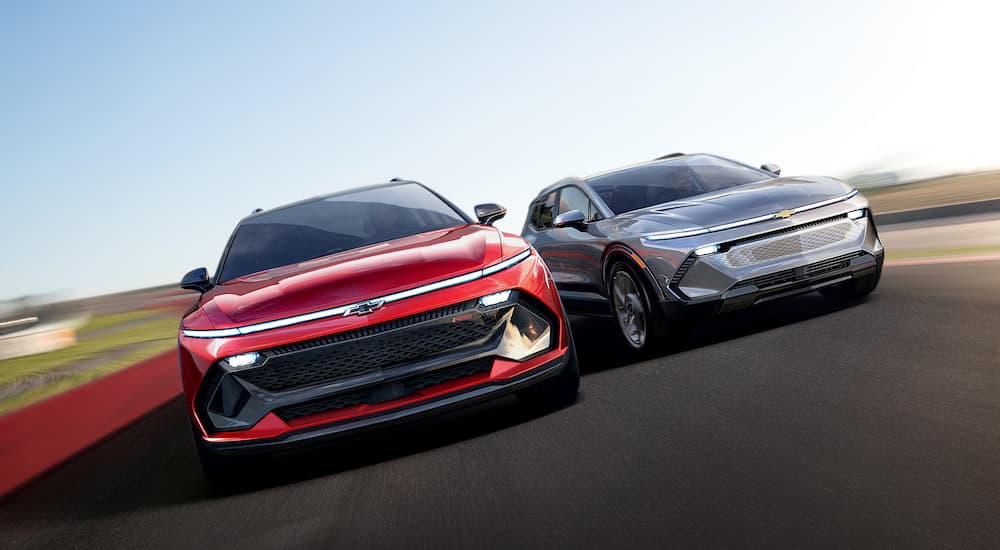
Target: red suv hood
[349, 276]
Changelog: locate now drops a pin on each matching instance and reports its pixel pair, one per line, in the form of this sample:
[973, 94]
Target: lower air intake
[378, 393]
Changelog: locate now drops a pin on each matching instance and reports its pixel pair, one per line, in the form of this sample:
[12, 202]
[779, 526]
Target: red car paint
[353, 276]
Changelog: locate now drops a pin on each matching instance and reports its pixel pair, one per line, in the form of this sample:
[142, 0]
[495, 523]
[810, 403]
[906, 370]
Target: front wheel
[219, 470]
[558, 390]
[640, 323]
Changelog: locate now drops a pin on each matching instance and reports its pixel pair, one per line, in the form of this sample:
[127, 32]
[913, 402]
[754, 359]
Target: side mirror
[772, 168]
[197, 279]
[573, 218]
[489, 213]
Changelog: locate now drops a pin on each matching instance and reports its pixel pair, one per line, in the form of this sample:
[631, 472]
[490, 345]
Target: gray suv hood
[735, 204]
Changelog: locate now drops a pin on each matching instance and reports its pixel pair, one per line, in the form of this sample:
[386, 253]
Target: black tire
[559, 390]
[219, 470]
[641, 324]
[854, 289]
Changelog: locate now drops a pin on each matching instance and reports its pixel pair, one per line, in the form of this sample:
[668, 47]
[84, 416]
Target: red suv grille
[345, 355]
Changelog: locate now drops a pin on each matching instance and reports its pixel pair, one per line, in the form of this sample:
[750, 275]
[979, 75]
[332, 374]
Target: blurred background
[133, 136]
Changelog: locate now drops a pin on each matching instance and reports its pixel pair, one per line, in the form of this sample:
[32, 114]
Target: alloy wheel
[630, 308]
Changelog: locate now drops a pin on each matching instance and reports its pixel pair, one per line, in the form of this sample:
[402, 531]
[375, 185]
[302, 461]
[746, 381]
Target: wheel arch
[617, 252]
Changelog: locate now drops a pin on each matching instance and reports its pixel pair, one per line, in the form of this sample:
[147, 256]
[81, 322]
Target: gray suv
[684, 235]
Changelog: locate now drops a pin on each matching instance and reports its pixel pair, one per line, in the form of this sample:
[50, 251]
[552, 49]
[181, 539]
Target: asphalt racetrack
[802, 423]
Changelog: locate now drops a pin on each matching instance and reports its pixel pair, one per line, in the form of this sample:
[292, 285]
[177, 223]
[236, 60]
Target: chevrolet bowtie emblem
[364, 308]
[784, 214]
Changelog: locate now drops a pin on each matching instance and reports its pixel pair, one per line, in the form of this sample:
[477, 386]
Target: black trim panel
[321, 434]
[806, 279]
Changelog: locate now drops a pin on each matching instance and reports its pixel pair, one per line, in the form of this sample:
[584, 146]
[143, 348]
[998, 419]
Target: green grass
[938, 252]
[164, 329]
[100, 322]
[77, 378]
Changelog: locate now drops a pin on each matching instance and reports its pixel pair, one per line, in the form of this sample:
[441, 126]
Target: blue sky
[133, 136]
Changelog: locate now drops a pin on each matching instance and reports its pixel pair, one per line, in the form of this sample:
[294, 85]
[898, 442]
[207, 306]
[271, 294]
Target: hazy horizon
[135, 137]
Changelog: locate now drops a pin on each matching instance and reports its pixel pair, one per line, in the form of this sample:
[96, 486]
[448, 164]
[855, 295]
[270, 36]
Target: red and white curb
[43, 435]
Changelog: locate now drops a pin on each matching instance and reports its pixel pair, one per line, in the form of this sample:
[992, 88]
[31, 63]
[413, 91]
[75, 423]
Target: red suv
[353, 310]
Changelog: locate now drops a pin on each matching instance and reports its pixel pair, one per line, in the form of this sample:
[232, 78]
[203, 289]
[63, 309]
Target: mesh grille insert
[802, 240]
[399, 389]
[777, 232]
[374, 329]
[353, 353]
[790, 275]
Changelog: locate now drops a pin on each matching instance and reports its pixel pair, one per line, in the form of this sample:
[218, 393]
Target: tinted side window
[572, 198]
[543, 211]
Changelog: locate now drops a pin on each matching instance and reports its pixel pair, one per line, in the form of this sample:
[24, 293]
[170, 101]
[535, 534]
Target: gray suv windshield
[671, 180]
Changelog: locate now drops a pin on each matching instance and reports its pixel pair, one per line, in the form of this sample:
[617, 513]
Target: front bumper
[401, 368]
[371, 384]
[337, 431]
[752, 268]
[782, 284]
[354, 371]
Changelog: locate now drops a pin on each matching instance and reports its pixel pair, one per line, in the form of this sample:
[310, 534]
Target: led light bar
[221, 333]
[676, 234]
[339, 311]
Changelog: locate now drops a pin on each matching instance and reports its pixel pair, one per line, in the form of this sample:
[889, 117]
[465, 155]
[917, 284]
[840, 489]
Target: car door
[573, 255]
[541, 215]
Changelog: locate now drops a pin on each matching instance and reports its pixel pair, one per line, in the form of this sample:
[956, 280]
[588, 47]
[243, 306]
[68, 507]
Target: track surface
[802, 423]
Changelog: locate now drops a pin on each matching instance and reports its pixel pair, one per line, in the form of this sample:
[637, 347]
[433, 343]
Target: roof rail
[670, 156]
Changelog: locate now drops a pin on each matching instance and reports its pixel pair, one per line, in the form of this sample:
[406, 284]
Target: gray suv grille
[805, 240]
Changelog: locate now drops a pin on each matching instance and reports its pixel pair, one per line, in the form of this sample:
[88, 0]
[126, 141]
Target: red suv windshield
[318, 227]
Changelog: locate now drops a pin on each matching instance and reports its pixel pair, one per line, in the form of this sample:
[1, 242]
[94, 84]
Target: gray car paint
[579, 260]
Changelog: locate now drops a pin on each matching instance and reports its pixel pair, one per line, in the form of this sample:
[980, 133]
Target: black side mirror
[489, 213]
[772, 168]
[197, 279]
[573, 218]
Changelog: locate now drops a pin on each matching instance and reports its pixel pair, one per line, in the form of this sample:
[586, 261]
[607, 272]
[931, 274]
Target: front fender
[621, 251]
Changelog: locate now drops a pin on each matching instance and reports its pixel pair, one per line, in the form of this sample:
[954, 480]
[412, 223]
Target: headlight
[526, 334]
[241, 361]
[706, 250]
[856, 214]
[495, 298]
